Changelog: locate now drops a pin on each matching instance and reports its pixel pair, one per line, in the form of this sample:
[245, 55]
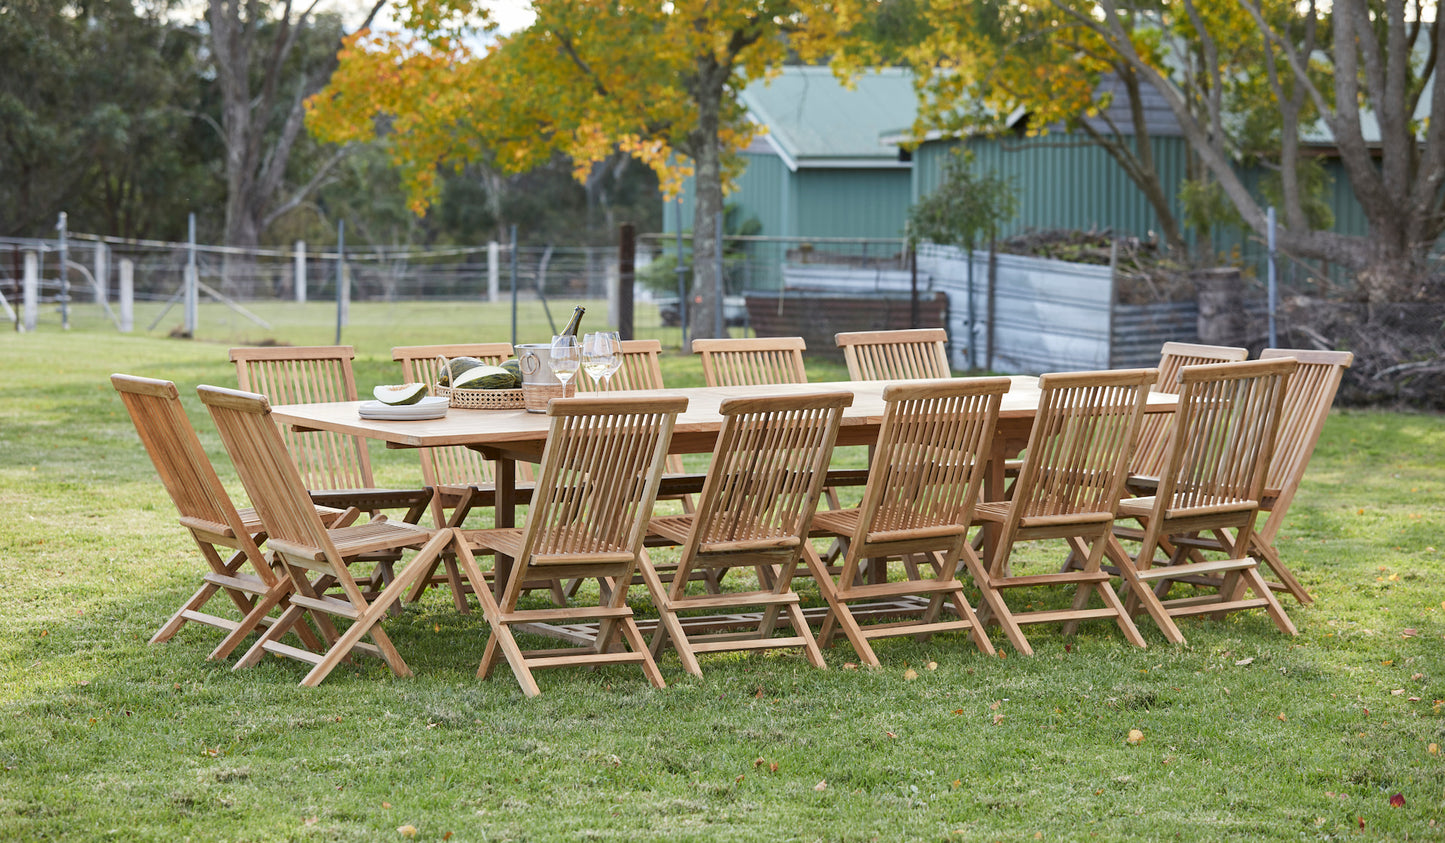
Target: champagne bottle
[571, 329]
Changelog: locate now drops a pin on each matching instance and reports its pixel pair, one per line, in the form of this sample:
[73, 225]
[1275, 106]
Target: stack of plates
[431, 407]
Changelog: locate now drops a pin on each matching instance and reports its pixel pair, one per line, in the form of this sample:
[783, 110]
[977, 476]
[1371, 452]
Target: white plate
[431, 407]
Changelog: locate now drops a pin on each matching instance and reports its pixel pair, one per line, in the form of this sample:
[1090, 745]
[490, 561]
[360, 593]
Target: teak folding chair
[920, 354]
[207, 513]
[306, 547]
[926, 473]
[1147, 462]
[1069, 487]
[754, 512]
[751, 361]
[1307, 402]
[595, 489]
[1213, 472]
[335, 468]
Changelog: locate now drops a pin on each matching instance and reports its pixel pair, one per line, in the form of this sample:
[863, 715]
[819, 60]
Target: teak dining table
[511, 435]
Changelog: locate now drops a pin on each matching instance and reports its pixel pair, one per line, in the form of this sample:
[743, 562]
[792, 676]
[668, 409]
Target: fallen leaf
[956, 784]
[1038, 835]
[773, 767]
[386, 805]
[758, 762]
[1068, 648]
[993, 706]
[1397, 801]
[1412, 699]
[1280, 717]
[1135, 738]
[406, 830]
[739, 779]
[1417, 676]
[997, 719]
[890, 734]
[1433, 749]
[849, 666]
[447, 836]
[1397, 692]
[1409, 633]
[932, 665]
[1243, 662]
[821, 786]
[1362, 821]
[910, 674]
[955, 711]
[311, 821]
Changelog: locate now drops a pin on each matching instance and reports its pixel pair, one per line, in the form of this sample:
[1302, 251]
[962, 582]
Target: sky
[510, 15]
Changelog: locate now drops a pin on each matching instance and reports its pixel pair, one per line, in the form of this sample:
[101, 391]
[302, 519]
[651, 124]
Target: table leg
[994, 489]
[504, 515]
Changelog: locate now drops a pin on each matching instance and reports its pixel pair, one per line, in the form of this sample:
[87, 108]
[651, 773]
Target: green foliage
[1314, 188]
[965, 207]
[99, 117]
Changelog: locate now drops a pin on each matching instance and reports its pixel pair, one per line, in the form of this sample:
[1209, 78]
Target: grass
[1248, 735]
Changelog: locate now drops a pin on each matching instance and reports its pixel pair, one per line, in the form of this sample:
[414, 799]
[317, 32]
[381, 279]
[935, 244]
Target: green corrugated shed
[821, 168]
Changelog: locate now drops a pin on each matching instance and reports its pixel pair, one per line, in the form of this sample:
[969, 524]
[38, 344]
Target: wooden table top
[483, 427]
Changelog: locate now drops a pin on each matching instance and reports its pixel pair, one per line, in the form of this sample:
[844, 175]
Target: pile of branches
[1143, 271]
[1399, 348]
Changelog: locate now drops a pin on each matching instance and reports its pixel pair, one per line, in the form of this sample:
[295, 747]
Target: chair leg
[838, 609]
[1140, 593]
[501, 640]
[1272, 604]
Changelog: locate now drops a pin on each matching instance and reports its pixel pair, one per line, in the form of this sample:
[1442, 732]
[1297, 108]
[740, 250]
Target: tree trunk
[707, 283]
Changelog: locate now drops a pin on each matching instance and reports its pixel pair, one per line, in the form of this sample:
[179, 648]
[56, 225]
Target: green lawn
[1248, 734]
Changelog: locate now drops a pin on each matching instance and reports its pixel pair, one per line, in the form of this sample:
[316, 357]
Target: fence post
[300, 272]
[30, 298]
[64, 274]
[343, 281]
[494, 271]
[626, 276]
[127, 296]
[193, 278]
[102, 273]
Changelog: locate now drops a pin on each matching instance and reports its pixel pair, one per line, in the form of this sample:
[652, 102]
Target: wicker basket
[536, 396]
[481, 399]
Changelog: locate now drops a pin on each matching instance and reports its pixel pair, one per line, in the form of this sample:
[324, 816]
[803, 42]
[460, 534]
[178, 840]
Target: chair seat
[1143, 507]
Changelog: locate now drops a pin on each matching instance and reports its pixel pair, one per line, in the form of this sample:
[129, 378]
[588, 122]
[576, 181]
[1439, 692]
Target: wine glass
[602, 356]
[565, 357]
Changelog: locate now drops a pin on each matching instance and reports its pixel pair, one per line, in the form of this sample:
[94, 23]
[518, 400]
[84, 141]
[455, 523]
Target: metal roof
[812, 120]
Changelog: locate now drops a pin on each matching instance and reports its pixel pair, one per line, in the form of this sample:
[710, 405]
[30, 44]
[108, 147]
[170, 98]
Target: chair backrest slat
[1148, 458]
[1083, 433]
[641, 369]
[310, 375]
[1224, 433]
[928, 463]
[599, 475]
[752, 361]
[896, 355]
[768, 468]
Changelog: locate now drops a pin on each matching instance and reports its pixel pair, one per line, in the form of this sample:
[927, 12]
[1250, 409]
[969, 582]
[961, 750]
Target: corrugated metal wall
[813, 202]
[1049, 316]
[850, 202]
[1063, 181]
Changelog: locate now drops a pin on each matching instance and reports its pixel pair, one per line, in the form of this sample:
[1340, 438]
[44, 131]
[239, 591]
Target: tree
[266, 67]
[98, 107]
[1247, 79]
[657, 81]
